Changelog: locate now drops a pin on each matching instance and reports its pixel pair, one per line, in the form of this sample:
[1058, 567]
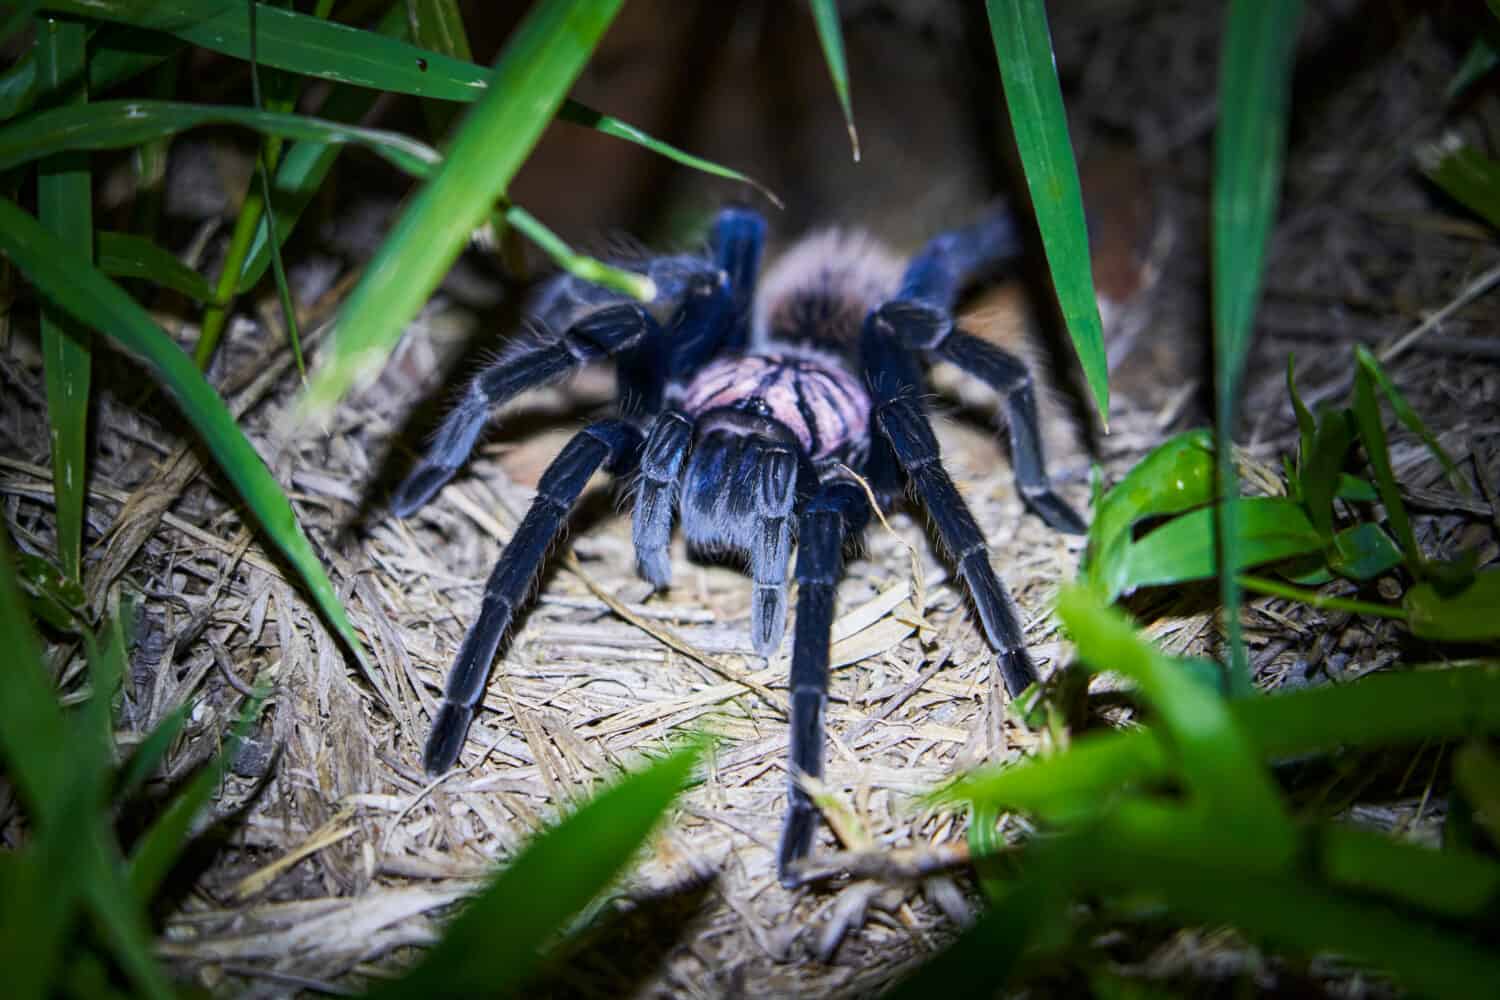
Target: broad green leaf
[1270, 529]
[64, 195]
[831, 38]
[1023, 45]
[1363, 552]
[496, 943]
[532, 76]
[97, 302]
[1470, 614]
[122, 124]
[1177, 475]
[124, 255]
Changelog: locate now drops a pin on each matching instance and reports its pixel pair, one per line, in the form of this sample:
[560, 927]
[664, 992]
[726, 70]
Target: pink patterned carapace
[823, 405]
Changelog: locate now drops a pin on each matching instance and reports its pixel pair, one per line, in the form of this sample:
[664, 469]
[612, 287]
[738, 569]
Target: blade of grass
[65, 206]
[165, 840]
[831, 38]
[438, 25]
[532, 75]
[1023, 45]
[325, 49]
[496, 943]
[1254, 88]
[1216, 758]
[97, 302]
[1379, 710]
[124, 255]
[122, 124]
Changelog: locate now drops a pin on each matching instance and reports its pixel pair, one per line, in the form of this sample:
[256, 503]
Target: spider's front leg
[614, 444]
[611, 330]
[895, 377]
[838, 510]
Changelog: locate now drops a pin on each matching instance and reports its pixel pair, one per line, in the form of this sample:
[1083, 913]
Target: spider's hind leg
[611, 443]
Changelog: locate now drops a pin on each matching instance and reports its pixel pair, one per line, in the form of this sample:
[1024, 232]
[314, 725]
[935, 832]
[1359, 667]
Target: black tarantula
[742, 409]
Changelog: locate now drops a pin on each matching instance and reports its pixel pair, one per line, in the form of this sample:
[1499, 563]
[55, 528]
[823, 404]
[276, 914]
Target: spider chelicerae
[743, 404]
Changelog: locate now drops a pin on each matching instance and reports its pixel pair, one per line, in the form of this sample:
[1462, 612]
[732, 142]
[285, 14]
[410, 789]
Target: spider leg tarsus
[613, 444]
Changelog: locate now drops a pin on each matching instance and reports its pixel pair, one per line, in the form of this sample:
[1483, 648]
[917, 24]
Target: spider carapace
[742, 402]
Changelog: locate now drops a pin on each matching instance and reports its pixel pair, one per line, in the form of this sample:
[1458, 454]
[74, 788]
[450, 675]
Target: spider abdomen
[820, 403]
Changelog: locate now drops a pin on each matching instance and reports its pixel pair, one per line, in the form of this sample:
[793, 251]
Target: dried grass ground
[340, 853]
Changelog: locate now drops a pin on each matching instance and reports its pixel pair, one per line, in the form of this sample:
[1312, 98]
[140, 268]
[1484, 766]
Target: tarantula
[742, 410]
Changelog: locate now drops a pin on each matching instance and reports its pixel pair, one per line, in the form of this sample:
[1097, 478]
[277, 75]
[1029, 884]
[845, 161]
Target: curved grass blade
[532, 75]
[496, 943]
[1217, 760]
[328, 50]
[125, 255]
[579, 265]
[122, 124]
[831, 37]
[64, 194]
[96, 301]
[1023, 45]
[1254, 89]
[438, 25]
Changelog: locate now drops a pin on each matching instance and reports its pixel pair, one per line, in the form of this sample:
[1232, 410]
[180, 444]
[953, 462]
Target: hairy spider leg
[838, 511]
[894, 377]
[737, 239]
[667, 445]
[608, 331]
[950, 260]
[920, 326]
[670, 351]
[614, 444]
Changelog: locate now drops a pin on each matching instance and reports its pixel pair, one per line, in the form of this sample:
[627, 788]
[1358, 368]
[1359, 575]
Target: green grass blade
[125, 255]
[325, 49]
[1254, 88]
[65, 206]
[1216, 758]
[164, 841]
[1379, 710]
[438, 25]
[99, 303]
[1023, 46]
[1466, 175]
[122, 124]
[1408, 416]
[629, 282]
[831, 38]
[141, 764]
[496, 943]
[532, 76]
